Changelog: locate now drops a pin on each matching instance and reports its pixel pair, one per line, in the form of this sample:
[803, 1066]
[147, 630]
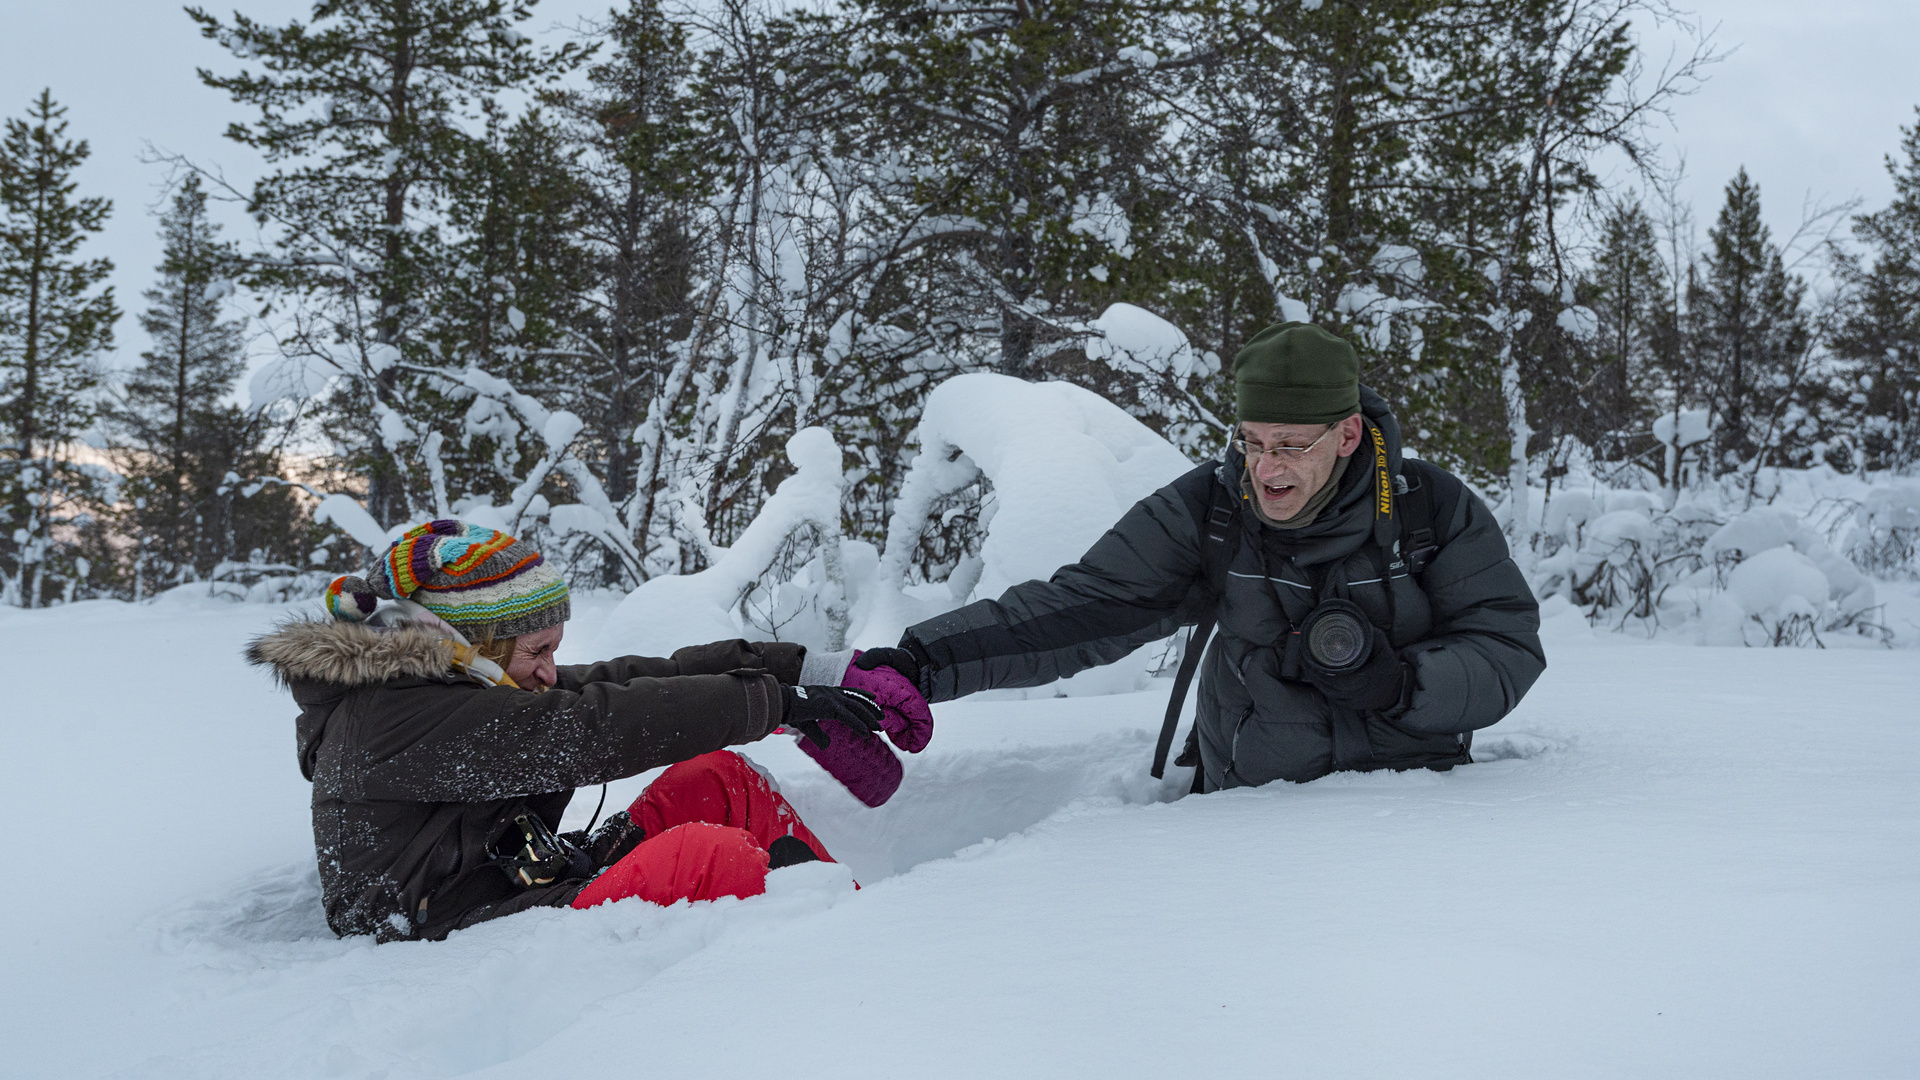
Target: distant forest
[590, 290]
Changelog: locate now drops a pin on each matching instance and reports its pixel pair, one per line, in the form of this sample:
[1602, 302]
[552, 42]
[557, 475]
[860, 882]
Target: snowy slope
[1672, 861]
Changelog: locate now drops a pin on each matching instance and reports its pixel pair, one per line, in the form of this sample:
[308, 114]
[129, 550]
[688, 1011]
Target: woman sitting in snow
[443, 744]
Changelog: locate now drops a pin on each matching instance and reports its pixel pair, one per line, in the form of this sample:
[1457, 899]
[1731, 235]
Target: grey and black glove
[1374, 686]
[899, 660]
[803, 707]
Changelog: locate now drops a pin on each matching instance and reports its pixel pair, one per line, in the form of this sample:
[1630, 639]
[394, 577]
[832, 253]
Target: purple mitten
[905, 715]
[858, 759]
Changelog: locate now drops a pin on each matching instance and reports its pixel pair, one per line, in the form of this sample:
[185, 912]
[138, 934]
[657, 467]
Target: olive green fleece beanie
[1296, 373]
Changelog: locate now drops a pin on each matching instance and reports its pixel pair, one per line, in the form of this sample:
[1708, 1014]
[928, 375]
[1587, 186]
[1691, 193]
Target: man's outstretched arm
[1130, 588]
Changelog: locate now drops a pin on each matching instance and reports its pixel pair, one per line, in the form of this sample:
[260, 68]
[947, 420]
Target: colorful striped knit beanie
[481, 581]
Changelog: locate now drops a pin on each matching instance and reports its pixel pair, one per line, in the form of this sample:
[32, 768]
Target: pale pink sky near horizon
[1810, 99]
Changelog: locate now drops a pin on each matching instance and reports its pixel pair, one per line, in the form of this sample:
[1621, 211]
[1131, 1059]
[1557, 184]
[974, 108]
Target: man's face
[1284, 482]
[531, 665]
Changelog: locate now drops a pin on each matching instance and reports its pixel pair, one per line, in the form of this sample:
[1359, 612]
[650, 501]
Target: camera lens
[1338, 637]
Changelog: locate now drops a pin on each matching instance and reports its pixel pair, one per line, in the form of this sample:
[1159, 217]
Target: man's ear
[1351, 431]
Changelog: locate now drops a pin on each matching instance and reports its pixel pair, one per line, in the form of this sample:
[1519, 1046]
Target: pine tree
[507, 304]
[648, 167]
[1627, 289]
[1747, 336]
[180, 436]
[55, 324]
[1022, 140]
[1294, 170]
[363, 113]
[1553, 91]
[1878, 340]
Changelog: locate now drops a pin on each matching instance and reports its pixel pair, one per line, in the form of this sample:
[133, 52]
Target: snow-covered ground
[1671, 861]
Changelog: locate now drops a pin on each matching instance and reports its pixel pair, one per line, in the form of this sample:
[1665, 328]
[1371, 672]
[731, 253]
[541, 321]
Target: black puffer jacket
[417, 773]
[1469, 629]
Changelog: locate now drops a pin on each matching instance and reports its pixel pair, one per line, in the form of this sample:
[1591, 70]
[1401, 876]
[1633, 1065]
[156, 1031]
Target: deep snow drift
[1671, 861]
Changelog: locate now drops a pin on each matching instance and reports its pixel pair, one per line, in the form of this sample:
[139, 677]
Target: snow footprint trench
[430, 1009]
[265, 939]
[948, 805]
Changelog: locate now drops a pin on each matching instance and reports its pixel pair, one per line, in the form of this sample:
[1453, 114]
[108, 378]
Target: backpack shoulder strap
[1219, 531]
[1427, 506]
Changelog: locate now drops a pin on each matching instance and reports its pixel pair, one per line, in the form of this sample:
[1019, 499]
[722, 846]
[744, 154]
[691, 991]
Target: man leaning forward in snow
[443, 744]
[1313, 510]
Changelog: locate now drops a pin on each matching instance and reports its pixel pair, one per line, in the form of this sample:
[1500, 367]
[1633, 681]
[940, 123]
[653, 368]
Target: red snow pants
[708, 821]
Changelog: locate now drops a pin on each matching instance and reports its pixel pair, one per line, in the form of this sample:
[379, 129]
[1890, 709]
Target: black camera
[1336, 637]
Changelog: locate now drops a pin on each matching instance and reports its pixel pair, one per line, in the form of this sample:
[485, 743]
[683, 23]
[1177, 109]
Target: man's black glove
[899, 660]
[1375, 686]
[803, 707]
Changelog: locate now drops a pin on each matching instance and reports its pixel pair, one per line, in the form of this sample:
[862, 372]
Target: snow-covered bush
[1762, 574]
[1607, 551]
[1778, 591]
[1886, 536]
[1040, 469]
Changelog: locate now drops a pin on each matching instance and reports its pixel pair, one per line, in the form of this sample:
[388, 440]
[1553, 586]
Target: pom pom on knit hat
[479, 580]
[351, 599]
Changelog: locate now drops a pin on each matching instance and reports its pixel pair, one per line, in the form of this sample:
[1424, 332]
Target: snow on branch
[1064, 463]
[668, 612]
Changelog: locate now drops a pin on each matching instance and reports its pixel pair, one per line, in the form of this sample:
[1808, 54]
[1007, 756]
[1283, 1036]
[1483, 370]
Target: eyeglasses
[1279, 453]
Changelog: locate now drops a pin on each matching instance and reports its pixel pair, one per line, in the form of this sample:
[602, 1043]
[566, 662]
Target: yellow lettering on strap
[1385, 508]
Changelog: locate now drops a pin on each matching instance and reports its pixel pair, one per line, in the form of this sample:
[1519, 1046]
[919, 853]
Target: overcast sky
[1810, 100]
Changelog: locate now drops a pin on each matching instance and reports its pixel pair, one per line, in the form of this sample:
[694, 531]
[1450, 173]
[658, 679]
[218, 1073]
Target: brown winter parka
[418, 773]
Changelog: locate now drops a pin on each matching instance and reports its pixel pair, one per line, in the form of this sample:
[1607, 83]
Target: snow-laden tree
[1635, 340]
[745, 221]
[1015, 143]
[1321, 178]
[56, 322]
[1572, 87]
[1748, 334]
[364, 114]
[1878, 342]
[178, 436]
[645, 172]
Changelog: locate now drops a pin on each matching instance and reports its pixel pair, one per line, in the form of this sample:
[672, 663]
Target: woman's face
[531, 665]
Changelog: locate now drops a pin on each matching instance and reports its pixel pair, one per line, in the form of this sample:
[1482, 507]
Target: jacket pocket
[1287, 739]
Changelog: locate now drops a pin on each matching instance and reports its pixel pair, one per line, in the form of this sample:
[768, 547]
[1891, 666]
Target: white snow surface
[1670, 861]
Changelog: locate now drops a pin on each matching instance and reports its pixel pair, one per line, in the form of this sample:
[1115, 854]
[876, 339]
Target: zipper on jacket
[1233, 755]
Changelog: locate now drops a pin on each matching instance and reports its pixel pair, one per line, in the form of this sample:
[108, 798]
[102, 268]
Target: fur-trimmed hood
[349, 654]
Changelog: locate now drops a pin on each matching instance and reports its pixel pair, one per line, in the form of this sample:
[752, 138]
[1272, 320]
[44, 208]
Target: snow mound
[1061, 465]
[1778, 580]
[669, 612]
[1064, 464]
